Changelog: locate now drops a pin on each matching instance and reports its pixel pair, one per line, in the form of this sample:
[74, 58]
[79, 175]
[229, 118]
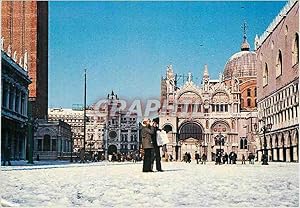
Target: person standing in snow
[204, 159]
[243, 159]
[197, 157]
[156, 152]
[147, 144]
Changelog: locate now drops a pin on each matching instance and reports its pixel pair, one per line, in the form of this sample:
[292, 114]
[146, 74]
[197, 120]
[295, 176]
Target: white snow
[124, 184]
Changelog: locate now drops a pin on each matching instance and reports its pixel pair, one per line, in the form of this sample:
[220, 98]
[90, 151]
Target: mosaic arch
[190, 130]
[220, 126]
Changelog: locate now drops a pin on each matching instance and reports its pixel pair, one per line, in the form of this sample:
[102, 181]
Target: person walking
[226, 158]
[189, 157]
[185, 157]
[197, 157]
[147, 144]
[204, 159]
[156, 155]
[81, 155]
[243, 159]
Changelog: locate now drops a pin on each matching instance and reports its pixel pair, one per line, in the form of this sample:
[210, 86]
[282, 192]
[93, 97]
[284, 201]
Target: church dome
[241, 64]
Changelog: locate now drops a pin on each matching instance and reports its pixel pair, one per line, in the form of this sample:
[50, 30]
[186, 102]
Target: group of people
[202, 159]
[150, 147]
[232, 157]
[122, 157]
[187, 158]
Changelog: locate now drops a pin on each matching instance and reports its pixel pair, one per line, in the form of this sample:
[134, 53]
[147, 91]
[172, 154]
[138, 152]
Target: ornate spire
[245, 45]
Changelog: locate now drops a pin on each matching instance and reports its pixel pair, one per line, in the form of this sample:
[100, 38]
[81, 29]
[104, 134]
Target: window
[255, 92]
[11, 99]
[4, 95]
[255, 103]
[167, 128]
[295, 51]
[248, 92]
[265, 75]
[39, 145]
[46, 142]
[226, 108]
[243, 143]
[248, 102]
[53, 144]
[279, 64]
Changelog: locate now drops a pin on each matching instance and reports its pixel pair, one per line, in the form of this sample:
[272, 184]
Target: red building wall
[24, 26]
[282, 40]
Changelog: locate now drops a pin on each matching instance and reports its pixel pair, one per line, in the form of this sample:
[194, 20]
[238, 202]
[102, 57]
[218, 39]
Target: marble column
[20, 97]
[275, 156]
[281, 153]
[7, 96]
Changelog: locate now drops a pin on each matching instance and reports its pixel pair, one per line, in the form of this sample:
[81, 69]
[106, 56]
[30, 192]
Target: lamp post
[91, 143]
[176, 147]
[219, 139]
[72, 143]
[265, 128]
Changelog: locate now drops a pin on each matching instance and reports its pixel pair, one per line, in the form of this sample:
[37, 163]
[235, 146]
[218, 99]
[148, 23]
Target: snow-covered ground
[180, 185]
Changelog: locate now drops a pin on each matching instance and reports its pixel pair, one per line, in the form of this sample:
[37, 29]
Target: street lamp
[265, 128]
[220, 140]
[72, 144]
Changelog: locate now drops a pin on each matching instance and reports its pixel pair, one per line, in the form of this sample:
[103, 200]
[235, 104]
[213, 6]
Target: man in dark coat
[156, 154]
[197, 157]
[147, 144]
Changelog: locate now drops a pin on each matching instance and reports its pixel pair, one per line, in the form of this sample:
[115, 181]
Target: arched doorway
[190, 130]
[190, 137]
[112, 149]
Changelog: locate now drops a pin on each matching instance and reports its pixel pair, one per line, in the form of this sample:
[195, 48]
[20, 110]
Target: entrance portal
[190, 137]
[112, 149]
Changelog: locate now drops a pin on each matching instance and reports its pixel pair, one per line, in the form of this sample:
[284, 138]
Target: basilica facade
[214, 115]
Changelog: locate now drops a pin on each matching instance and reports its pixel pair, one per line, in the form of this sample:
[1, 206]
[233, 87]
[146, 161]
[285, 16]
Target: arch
[43, 131]
[295, 50]
[279, 64]
[215, 94]
[248, 102]
[112, 149]
[189, 91]
[220, 126]
[190, 130]
[168, 128]
[249, 92]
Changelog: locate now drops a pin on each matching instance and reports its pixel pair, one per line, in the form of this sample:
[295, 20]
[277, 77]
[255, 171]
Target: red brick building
[24, 29]
[277, 84]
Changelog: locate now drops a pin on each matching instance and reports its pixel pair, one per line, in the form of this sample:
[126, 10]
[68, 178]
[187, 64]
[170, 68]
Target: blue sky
[126, 46]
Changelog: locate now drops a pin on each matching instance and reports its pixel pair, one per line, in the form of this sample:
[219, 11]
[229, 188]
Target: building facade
[24, 31]
[107, 132]
[73, 117]
[52, 139]
[195, 116]
[278, 79]
[14, 88]
[121, 128]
